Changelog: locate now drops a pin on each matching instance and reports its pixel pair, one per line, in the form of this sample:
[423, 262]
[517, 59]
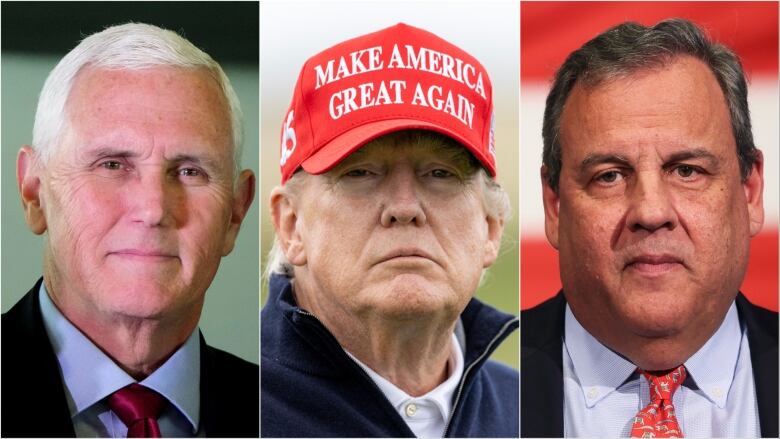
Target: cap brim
[333, 152]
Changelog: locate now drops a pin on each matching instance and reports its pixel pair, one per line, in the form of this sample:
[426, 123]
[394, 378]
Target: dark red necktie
[658, 419]
[138, 407]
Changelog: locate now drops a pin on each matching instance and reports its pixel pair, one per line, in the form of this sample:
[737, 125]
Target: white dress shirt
[90, 376]
[426, 415]
[602, 391]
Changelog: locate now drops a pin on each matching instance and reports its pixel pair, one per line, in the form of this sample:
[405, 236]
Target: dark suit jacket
[541, 366]
[33, 398]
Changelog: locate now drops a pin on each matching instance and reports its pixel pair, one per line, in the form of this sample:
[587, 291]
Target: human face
[138, 196]
[652, 219]
[398, 230]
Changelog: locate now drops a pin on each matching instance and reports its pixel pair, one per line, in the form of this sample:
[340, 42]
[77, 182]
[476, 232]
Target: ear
[552, 204]
[493, 244]
[284, 214]
[29, 182]
[243, 196]
[754, 194]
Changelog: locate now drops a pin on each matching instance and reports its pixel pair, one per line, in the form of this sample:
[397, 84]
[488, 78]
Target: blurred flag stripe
[749, 28]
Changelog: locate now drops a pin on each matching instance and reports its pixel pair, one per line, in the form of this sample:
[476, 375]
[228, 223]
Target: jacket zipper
[468, 370]
[363, 372]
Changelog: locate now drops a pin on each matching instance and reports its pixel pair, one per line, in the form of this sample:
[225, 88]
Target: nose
[401, 200]
[651, 205]
[152, 197]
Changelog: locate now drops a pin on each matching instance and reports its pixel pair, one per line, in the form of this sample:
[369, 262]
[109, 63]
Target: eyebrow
[597, 158]
[695, 153]
[108, 151]
[198, 160]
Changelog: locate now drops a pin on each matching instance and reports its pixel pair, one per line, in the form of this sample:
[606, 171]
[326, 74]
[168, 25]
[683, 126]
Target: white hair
[131, 46]
[495, 201]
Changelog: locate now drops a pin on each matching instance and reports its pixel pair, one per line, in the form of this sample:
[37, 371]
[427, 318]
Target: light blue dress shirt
[90, 376]
[602, 391]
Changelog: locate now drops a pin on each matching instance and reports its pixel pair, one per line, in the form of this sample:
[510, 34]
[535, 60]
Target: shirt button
[593, 392]
[411, 409]
[717, 392]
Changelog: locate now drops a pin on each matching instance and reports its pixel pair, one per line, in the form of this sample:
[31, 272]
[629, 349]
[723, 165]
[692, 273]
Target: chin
[414, 296]
[147, 300]
[656, 316]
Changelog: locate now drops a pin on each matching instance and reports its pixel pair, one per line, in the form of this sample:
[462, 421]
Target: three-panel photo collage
[389, 219]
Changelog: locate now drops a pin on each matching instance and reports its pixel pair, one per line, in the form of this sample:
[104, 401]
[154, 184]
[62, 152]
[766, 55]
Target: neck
[415, 365]
[656, 352]
[137, 345]
[411, 353]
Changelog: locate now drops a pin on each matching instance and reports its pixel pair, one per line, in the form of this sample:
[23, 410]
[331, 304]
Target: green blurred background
[34, 38]
[487, 30]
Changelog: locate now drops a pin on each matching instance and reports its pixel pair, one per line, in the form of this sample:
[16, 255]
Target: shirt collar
[600, 370]
[721, 349]
[178, 379]
[441, 396]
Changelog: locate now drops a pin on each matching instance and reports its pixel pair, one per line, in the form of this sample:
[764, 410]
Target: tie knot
[136, 403]
[662, 387]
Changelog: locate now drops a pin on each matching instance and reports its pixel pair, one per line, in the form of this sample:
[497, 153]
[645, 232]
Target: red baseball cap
[395, 79]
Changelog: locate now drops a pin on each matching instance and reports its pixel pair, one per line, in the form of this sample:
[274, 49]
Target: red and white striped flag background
[551, 30]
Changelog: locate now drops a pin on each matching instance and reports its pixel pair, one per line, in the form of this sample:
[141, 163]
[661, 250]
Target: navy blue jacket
[311, 388]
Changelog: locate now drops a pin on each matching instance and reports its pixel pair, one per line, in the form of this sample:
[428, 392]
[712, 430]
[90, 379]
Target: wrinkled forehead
[173, 104]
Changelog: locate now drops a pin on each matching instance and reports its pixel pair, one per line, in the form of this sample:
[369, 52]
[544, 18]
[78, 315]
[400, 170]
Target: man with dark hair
[652, 189]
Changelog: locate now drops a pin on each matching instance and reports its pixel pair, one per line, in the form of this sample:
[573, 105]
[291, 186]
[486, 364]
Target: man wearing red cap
[387, 216]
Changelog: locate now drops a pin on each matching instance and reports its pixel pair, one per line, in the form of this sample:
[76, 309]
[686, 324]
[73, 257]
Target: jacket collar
[762, 337]
[480, 330]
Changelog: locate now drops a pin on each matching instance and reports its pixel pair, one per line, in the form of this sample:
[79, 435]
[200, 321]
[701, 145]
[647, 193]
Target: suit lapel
[541, 369]
[762, 337]
[229, 399]
[210, 408]
[32, 384]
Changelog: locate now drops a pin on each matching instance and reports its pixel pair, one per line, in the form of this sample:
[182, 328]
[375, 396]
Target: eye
[609, 177]
[111, 165]
[441, 173]
[189, 172]
[191, 175]
[357, 173]
[686, 171]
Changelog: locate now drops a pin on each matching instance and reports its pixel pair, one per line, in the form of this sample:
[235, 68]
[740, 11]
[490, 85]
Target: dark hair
[629, 47]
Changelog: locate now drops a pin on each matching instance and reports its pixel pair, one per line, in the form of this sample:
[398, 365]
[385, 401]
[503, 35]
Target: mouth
[145, 255]
[653, 264]
[408, 254]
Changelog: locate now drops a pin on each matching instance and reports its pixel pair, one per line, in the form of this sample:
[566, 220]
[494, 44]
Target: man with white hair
[387, 216]
[133, 175]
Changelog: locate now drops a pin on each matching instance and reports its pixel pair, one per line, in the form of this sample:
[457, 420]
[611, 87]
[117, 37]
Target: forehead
[680, 102]
[165, 104]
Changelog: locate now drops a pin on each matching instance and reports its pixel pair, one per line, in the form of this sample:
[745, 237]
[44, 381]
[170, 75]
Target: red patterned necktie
[138, 407]
[658, 419]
